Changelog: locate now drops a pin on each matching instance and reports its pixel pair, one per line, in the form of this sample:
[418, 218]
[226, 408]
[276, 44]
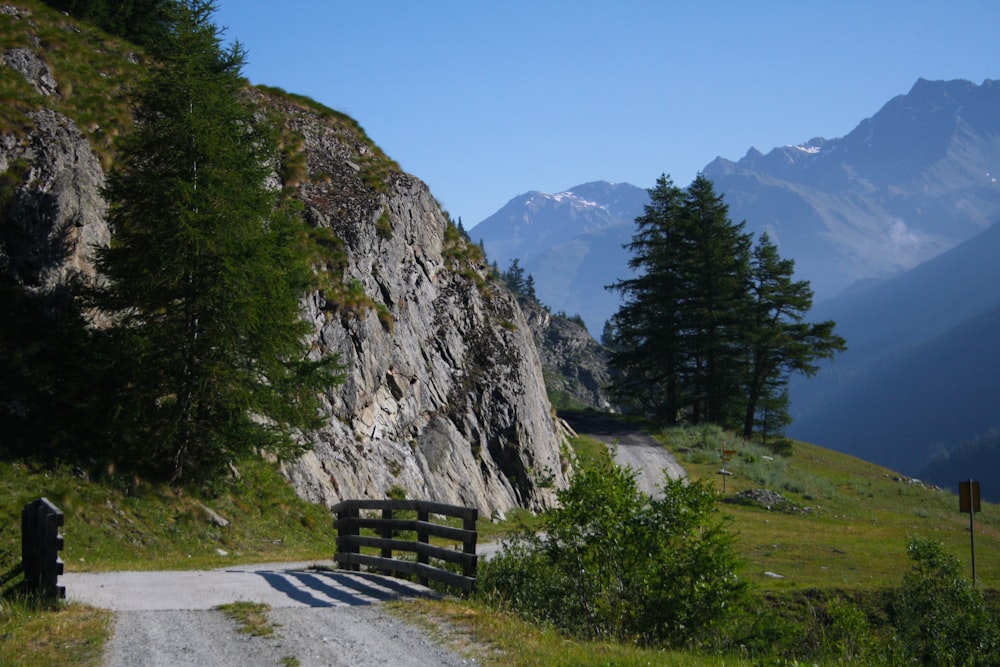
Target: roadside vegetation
[856, 565]
[873, 566]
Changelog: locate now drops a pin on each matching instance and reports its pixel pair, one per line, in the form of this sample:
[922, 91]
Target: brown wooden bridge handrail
[349, 539]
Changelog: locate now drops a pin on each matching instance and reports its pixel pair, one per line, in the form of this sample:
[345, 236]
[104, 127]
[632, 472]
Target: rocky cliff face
[575, 366]
[444, 397]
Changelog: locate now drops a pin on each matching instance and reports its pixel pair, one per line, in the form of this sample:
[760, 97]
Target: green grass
[92, 71]
[499, 638]
[33, 634]
[120, 522]
[859, 520]
[251, 617]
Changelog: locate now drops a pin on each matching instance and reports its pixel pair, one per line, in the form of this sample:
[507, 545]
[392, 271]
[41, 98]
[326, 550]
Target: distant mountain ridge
[922, 372]
[913, 180]
[916, 178]
[570, 242]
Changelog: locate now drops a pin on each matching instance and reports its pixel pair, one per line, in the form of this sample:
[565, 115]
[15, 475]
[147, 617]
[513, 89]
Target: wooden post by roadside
[469, 544]
[40, 547]
[423, 516]
[968, 501]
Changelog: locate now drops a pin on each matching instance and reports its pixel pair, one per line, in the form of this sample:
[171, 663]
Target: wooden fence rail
[349, 539]
[40, 547]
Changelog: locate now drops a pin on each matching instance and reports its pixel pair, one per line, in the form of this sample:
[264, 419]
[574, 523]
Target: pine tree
[205, 270]
[529, 287]
[713, 268]
[778, 341]
[710, 327]
[514, 277]
[644, 335]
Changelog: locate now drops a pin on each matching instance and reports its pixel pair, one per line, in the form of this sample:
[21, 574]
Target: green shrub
[613, 563]
[939, 617]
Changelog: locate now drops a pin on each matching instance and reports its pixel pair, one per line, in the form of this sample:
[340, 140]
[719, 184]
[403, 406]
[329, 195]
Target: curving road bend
[633, 448]
[321, 617]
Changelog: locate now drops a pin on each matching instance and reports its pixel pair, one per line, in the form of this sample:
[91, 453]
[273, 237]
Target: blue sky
[485, 100]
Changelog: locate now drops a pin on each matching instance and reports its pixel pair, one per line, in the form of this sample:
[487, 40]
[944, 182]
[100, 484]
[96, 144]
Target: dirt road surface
[632, 448]
[320, 618]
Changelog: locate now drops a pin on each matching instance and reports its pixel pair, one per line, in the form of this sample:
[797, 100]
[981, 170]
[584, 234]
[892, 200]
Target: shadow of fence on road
[322, 588]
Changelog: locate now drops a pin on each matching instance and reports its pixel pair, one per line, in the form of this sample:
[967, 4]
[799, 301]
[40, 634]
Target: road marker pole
[968, 501]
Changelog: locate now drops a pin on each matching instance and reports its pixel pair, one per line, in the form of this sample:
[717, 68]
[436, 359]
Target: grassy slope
[125, 523]
[853, 538]
[856, 533]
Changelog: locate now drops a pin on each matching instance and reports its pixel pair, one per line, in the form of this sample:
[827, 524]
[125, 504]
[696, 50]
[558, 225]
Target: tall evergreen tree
[529, 287]
[205, 270]
[713, 270]
[644, 335]
[710, 326]
[778, 341]
[514, 277]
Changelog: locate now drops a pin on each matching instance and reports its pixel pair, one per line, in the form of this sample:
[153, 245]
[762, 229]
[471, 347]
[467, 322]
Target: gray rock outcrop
[33, 68]
[574, 364]
[54, 215]
[444, 397]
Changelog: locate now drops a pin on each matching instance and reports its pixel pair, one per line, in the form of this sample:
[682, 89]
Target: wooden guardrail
[349, 539]
[40, 547]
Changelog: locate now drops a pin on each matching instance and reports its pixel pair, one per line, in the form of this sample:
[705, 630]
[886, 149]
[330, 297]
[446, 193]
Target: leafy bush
[613, 563]
[940, 619]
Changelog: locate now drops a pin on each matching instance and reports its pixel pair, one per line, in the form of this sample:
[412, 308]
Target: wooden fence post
[387, 535]
[40, 547]
[469, 545]
[422, 516]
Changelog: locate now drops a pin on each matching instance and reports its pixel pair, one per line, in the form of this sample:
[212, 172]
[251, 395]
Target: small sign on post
[968, 501]
[726, 455]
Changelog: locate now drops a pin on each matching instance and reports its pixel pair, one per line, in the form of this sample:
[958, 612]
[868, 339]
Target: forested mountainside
[443, 395]
[920, 375]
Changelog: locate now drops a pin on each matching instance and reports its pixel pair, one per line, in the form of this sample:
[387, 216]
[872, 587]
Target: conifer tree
[710, 327]
[713, 269]
[514, 277]
[205, 270]
[644, 335]
[778, 341]
[529, 287]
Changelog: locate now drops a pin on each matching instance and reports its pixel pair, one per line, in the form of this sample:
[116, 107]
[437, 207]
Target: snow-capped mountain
[916, 178]
[913, 180]
[570, 242]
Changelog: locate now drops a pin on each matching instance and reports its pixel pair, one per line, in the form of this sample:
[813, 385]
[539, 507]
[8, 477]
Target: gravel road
[633, 448]
[320, 618]
[330, 618]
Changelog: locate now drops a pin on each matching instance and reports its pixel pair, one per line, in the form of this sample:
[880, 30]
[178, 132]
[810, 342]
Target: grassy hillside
[840, 544]
[847, 522]
[844, 531]
[121, 522]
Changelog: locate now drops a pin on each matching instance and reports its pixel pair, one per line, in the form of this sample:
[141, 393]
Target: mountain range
[915, 179]
[893, 225]
[921, 375]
